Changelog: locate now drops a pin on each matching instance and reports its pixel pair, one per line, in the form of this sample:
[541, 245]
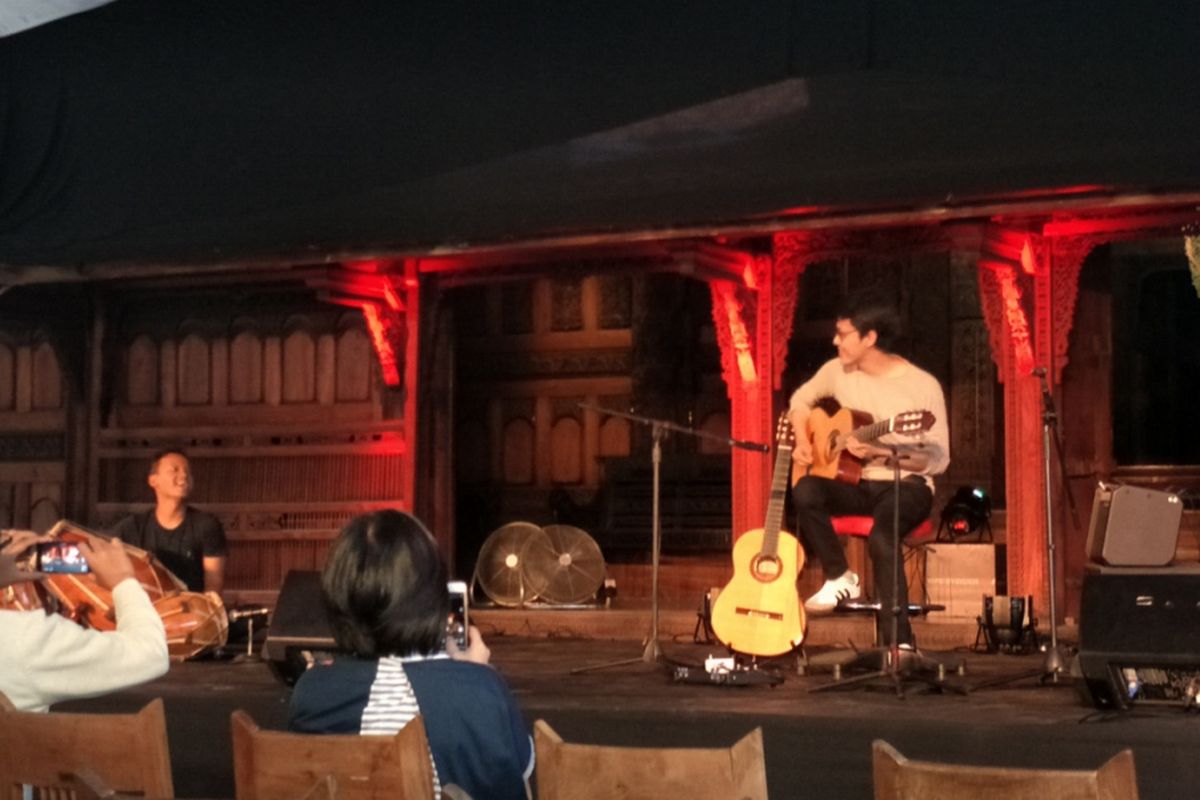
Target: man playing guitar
[868, 377]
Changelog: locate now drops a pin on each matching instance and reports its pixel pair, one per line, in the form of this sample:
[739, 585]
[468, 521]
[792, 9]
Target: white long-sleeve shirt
[45, 659]
[905, 388]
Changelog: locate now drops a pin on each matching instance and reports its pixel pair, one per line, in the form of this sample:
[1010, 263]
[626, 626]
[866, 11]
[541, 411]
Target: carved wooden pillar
[753, 323]
[1018, 270]
[1004, 289]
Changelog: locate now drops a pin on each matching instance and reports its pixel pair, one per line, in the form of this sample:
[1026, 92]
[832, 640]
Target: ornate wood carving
[566, 304]
[33, 446]
[1067, 255]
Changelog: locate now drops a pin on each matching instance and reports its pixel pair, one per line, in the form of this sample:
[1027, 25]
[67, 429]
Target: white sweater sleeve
[823, 383]
[63, 661]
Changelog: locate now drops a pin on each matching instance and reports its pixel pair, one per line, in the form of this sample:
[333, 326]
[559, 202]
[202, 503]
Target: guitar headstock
[785, 435]
[913, 422]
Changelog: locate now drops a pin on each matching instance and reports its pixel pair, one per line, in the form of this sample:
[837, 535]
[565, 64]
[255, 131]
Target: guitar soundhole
[767, 568]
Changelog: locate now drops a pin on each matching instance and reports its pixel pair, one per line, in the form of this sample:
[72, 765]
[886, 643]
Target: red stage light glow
[383, 346]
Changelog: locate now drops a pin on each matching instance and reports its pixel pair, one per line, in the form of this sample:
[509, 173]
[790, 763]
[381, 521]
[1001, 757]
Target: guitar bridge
[758, 612]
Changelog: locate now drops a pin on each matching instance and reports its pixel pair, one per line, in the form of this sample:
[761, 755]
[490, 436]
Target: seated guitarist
[867, 376]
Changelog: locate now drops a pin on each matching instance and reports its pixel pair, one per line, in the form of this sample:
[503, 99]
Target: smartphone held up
[458, 622]
[58, 557]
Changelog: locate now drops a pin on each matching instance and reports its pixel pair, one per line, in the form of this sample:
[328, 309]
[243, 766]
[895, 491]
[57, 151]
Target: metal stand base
[897, 668]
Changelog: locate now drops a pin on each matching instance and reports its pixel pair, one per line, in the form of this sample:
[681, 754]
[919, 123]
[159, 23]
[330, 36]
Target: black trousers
[816, 499]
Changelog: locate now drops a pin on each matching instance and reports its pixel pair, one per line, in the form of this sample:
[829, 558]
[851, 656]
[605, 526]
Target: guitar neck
[869, 433]
[779, 486]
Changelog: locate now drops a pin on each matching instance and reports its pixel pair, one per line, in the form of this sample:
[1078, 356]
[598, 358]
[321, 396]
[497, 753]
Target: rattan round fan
[498, 568]
[564, 566]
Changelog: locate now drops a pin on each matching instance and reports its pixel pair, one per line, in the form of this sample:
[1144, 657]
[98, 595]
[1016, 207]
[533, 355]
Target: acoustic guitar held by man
[868, 377]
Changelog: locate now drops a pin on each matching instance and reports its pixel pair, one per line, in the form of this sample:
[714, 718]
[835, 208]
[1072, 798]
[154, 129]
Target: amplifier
[1139, 635]
[300, 632]
[1133, 527]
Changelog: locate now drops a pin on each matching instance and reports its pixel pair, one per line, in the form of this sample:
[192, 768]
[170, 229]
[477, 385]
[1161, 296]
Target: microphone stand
[658, 431]
[890, 663]
[1054, 664]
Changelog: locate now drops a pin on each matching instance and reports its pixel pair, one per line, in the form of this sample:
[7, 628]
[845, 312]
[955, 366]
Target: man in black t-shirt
[189, 542]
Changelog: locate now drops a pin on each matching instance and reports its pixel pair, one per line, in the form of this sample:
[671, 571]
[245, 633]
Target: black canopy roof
[148, 132]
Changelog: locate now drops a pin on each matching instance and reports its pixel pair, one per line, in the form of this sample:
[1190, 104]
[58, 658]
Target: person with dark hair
[189, 542]
[47, 658]
[868, 376]
[384, 589]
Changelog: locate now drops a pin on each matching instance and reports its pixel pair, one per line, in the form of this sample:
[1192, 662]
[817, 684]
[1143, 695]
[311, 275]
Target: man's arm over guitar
[802, 402]
[927, 453]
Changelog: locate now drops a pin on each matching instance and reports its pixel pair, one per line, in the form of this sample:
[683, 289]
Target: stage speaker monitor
[1133, 527]
[299, 631]
[1139, 636]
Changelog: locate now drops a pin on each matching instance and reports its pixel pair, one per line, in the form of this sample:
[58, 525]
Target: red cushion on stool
[856, 525]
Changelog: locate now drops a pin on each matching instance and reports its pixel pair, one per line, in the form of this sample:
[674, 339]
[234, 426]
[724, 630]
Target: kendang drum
[195, 622]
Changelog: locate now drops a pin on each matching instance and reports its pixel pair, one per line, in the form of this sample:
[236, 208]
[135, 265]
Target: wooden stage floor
[817, 744]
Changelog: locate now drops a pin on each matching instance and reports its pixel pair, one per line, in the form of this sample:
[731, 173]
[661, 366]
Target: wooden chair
[594, 772]
[897, 778]
[276, 765]
[126, 753]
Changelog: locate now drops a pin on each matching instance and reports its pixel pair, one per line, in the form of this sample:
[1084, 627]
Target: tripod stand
[892, 664]
[658, 431]
[1053, 664]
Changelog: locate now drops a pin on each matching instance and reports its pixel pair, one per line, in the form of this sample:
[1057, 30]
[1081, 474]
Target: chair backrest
[128, 752]
[594, 772]
[898, 778]
[276, 765]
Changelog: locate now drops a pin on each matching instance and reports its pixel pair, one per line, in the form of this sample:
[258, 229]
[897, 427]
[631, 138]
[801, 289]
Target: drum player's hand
[476, 651]
[108, 561]
[17, 542]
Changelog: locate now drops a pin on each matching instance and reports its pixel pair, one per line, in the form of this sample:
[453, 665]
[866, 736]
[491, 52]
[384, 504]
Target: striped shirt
[478, 738]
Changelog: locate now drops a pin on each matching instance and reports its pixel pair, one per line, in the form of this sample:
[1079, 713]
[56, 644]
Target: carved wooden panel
[616, 302]
[194, 371]
[566, 304]
[614, 437]
[566, 451]
[245, 368]
[33, 504]
[299, 368]
[142, 372]
[518, 443]
[46, 378]
[8, 377]
[354, 365]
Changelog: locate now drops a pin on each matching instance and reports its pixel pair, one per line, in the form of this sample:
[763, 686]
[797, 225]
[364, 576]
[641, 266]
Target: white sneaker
[844, 587]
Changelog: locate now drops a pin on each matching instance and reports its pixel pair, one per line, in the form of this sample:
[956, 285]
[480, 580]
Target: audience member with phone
[47, 658]
[384, 587]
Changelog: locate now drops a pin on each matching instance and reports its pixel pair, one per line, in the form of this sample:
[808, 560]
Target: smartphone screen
[59, 556]
[458, 623]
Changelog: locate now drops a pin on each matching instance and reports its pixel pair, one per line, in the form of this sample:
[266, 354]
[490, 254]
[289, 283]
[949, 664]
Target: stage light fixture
[968, 512]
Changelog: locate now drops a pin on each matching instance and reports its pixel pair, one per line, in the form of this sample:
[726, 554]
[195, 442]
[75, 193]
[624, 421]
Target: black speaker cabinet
[299, 631]
[1139, 635]
[1133, 527]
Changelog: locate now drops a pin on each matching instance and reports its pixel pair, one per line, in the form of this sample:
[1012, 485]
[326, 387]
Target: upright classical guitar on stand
[829, 432]
[758, 612]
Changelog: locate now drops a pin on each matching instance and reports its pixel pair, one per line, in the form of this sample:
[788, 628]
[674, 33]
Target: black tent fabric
[145, 132]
